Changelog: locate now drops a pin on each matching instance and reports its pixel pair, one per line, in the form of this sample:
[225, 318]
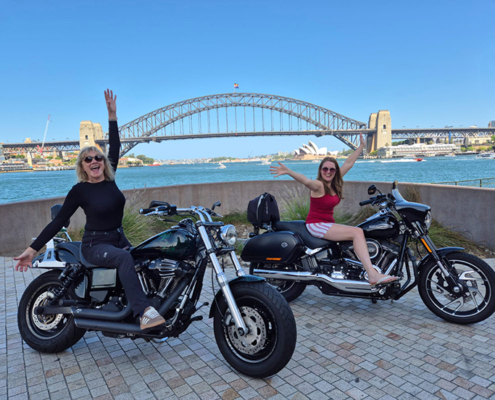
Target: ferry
[221, 166]
[486, 155]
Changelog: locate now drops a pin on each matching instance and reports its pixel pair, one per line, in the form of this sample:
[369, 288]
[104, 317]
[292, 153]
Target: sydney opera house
[311, 151]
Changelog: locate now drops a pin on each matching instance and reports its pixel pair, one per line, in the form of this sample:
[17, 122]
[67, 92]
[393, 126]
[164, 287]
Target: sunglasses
[326, 169]
[98, 158]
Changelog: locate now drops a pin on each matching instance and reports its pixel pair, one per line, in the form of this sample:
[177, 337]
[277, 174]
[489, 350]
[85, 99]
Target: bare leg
[344, 232]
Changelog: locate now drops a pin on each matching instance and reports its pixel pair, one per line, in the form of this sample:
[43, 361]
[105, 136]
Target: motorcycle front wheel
[271, 340]
[46, 333]
[291, 290]
[475, 303]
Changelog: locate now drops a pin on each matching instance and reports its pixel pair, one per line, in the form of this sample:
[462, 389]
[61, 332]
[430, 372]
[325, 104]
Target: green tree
[145, 160]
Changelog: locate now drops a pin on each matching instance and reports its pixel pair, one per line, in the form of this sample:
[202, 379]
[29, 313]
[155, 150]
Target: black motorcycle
[253, 324]
[453, 284]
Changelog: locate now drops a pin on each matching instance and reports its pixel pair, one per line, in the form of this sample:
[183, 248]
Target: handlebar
[365, 202]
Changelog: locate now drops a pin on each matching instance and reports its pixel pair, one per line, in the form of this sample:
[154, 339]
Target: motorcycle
[253, 324]
[453, 284]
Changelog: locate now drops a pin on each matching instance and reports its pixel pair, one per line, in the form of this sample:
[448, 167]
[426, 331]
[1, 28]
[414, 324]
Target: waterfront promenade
[346, 349]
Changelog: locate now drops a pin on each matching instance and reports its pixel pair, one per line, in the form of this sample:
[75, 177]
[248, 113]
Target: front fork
[222, 280]
[432, 250]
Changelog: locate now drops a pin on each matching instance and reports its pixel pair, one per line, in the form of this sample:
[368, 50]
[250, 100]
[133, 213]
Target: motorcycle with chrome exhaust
[253, 324]
[453, 284]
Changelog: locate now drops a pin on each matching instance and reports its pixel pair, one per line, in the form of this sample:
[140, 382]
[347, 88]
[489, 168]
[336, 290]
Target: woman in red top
[326, 193]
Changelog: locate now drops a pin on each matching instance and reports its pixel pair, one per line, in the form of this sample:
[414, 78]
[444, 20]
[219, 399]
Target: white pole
[46, 130]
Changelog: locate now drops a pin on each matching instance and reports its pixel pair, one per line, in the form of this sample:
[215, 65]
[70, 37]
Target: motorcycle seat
[299, 227]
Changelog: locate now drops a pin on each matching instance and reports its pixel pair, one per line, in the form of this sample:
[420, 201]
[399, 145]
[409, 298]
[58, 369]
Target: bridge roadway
[346, 349]
[397, 134]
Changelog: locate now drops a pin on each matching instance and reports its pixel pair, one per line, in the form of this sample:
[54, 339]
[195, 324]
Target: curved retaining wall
[464, 209]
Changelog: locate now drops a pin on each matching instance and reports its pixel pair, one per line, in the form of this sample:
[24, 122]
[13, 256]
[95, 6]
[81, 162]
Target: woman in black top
[104, 242]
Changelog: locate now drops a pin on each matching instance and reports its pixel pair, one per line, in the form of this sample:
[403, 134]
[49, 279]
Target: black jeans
[105, 249]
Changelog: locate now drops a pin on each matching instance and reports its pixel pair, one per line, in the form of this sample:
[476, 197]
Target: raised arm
[349, 163]
[113, 129]
[314, 185]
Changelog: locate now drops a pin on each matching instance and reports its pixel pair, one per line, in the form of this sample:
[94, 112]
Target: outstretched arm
[349, 163]
[113, 129]
[315, 186]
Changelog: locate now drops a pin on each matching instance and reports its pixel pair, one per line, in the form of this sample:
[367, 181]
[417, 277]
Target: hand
[24, 261]
[278, 171]
[111, 100]
[363, 142]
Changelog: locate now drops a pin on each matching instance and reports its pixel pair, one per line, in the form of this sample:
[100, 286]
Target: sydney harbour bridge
[248, 115]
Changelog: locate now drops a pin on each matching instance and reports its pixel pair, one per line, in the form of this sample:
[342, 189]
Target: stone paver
[347, 349]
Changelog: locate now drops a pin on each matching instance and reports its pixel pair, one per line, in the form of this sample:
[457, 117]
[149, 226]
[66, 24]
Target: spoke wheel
[46, 333]
[271, 340]
[291, 290]
[476, 300]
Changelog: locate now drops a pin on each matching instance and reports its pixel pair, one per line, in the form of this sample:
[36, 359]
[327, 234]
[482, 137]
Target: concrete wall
[467, 210]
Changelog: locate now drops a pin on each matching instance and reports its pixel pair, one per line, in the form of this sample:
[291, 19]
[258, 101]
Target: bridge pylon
[89, 132]
[382, 122]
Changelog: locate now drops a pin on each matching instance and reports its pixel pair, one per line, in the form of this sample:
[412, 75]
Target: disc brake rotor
[44, 322]
[255, 340]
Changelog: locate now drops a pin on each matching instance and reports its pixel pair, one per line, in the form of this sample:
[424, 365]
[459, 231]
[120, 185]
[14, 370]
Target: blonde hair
[337, 182]
[82, 176]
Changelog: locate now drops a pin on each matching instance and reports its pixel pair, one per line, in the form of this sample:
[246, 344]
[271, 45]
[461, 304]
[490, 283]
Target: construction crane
[40, 149]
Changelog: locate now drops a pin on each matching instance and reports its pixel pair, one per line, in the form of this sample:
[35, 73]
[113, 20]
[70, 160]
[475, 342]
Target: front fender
[233, 282]
[441, 253]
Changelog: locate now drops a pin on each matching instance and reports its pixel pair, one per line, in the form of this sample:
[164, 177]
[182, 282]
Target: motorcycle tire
[477, 301]
[291, 290]
[46, 333]
[271, 340]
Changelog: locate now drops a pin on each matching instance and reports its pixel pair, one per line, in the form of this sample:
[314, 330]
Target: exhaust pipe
[108, 326]
[304, 276]
[102, 314]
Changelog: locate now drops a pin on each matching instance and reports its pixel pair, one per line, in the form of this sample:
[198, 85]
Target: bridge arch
[322, 119]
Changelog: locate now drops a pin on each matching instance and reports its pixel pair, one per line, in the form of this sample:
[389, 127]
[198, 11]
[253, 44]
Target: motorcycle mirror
[217, 204]
[372, 190]
[395, 184]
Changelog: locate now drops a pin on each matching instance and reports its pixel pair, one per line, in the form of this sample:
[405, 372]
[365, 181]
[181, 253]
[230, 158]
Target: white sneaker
[151, 318]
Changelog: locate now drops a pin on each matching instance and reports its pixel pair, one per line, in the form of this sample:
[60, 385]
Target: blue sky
[431, 63]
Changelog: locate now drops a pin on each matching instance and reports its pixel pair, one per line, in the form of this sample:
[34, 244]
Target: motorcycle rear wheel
[478, 299]
[46, 333]
[269, 345]
[291, 290]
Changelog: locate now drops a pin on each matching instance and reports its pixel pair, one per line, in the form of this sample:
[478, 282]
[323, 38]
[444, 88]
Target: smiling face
[95, 170]
[328, 170]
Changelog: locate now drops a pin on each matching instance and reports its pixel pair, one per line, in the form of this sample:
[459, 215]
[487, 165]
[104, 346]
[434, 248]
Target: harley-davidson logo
[284, 245]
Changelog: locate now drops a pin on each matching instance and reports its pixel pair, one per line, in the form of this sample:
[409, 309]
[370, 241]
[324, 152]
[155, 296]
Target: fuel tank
[174, 244]
[273, 248]
[381, 227]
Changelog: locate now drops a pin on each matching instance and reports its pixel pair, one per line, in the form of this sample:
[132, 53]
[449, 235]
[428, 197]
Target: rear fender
[233, 282]
[441, 253]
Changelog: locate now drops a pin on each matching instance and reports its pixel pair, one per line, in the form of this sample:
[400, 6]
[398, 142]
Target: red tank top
[321, 209]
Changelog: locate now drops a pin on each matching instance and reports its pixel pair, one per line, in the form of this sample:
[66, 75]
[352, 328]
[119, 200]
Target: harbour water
[20, 186]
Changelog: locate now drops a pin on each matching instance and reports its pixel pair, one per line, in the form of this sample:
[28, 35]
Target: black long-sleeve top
[102, 202]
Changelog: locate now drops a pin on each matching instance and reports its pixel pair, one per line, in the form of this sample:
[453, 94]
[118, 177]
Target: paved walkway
[346, 349]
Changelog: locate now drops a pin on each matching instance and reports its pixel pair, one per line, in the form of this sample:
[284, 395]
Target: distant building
[491, 124]
[311, 151]
[2, 157]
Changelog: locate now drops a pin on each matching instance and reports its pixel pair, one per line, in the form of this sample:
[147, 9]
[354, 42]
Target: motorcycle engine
[382, 255]
[163, 275]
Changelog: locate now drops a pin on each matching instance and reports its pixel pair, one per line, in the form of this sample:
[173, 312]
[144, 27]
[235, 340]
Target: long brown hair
[337, 182]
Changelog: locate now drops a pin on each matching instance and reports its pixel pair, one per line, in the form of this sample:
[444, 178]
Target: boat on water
[265, 162]
[486, 155]
[418, 159]
[221, 166]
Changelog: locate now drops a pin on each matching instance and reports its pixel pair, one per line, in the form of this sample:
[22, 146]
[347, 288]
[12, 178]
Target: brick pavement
[346, 349]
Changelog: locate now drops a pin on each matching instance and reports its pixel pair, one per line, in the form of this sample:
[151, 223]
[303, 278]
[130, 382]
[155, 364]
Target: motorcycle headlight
[428, 220]
[228, 234]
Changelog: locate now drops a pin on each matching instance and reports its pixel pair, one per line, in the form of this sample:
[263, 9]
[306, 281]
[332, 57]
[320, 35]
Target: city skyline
[353, 58]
